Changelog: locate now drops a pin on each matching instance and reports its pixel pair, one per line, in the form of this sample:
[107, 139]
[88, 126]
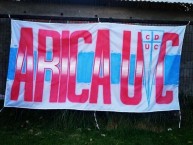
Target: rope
[98, 19]
[1, 98]
[180, 119]
[188, 23]
[1, 110]
[95, 118]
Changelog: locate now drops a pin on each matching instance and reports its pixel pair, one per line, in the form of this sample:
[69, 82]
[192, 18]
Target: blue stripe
[172, 68]
[132, 69]
[84, 67]
[48, 72]
[35, 63]
[49, 55]
[115, 68]
[12, 63]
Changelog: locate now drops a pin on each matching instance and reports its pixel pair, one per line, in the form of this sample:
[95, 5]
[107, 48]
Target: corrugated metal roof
[96, 1]
[174, 5]
[165, 1]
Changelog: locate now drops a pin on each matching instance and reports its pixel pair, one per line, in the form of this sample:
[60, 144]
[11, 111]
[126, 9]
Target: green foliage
[60, 127]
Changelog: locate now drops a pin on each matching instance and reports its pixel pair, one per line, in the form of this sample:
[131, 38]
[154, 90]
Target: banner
[94, 66]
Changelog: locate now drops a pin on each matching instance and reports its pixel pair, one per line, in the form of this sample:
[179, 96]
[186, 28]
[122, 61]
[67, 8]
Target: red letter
[155, 46]
[64, 66]
[102, 54]
[147, 37]
[25, 52]
[127, 100]
[160, 99]
[43, 64]
[86, 35]
[147, 46]
[156, 37]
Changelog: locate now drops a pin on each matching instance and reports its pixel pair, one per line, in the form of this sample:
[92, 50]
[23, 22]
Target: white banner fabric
[94, 66]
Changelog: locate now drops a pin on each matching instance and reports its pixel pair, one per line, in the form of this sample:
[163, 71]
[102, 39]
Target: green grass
[68, 127]
[50, 136]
